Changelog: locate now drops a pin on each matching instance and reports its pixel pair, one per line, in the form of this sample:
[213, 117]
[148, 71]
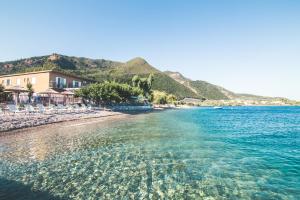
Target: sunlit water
[203, 153]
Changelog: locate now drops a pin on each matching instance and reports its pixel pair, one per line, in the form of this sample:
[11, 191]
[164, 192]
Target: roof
[25, 73]
[50, 91]
[46, 71]
[16, 89]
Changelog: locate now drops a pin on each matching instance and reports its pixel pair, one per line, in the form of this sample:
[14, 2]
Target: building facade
[43, 80]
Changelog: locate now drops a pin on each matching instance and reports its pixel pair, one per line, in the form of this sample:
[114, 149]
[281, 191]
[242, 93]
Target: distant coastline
[242, 102]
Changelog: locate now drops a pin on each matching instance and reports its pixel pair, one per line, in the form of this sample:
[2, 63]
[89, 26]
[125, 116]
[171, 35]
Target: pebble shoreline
[9, 122]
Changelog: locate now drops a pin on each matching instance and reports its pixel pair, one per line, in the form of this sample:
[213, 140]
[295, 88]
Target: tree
[1, 92]
[30, 91]
[84, 92]
[150, 80]
[159, 97]
[171, 98]
[1, 88]
[109, 92]
[145, 84]
[136, 81]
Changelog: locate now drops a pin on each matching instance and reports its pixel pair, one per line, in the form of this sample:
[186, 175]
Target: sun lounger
[61, 108]
[41, 108]
[14, 109]
[96, 108]
[77, 108]
[107, 109]
[30, 109]
[69, 108]
[1, 111]
[90, 106]
[86, 108]
[52, 108]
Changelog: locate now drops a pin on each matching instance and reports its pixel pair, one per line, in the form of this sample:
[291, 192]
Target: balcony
[55, 85]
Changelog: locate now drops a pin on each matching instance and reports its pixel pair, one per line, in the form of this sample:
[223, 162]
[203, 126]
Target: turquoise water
[202, 153]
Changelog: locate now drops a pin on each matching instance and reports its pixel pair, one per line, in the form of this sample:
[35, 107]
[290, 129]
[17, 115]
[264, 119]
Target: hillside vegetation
[202, 88]
[101, 70]
[214, 92]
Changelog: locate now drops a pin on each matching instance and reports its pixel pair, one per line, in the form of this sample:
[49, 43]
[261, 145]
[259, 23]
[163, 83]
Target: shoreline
[16, 123]
[29, 123]
[70, 123]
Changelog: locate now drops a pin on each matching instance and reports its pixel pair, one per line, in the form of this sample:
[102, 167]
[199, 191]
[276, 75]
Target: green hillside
[76, 64]
[215, 92]
[202, 88]
[99, 70]
[207, 90]
[164, 83]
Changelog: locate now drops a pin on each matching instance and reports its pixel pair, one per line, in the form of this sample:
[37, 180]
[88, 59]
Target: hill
[99, 70]
[215, 92]
[202, 88]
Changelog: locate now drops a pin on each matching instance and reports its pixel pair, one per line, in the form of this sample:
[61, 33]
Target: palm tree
[30, 91]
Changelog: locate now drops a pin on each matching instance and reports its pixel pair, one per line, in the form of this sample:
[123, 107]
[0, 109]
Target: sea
[197, 153]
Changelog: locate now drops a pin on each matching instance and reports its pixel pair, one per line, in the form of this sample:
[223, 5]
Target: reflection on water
[240, 153]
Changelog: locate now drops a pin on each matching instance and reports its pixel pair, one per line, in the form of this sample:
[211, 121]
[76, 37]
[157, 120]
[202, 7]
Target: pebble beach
[10, 122]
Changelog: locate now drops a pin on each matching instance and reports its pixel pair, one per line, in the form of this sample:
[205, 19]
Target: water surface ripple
[202, 153]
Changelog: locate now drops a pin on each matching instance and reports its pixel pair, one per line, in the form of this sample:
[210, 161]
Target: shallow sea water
[201, 153]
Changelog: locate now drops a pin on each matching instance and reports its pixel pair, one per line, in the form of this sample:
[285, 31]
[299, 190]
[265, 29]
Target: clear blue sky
[244, 45]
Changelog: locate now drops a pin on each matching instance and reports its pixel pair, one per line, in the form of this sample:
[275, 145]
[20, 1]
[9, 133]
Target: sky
[249, 46]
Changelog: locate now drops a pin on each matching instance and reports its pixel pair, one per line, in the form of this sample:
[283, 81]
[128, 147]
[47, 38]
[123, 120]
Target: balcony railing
[61, 85]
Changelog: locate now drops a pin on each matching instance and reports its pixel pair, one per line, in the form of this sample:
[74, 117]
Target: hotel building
[43, 80]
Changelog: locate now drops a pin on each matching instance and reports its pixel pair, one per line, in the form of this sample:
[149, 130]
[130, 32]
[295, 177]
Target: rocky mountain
[202, 88]
[215, 92]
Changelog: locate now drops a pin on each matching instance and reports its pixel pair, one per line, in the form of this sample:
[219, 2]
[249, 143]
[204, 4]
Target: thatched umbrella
[67, 93]
[50, 92]
[16, 90]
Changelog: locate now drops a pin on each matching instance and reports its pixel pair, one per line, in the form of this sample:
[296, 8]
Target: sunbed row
[40, 108]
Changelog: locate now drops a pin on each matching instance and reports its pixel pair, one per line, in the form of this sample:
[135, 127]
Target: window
[33, 80]
[18, 81]
[7, 82]
[76, 84]
[64, 82]
[60, 82]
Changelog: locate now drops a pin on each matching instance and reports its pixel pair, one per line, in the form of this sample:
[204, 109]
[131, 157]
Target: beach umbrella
[16, 90]
[50, 92]
[67, 93]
